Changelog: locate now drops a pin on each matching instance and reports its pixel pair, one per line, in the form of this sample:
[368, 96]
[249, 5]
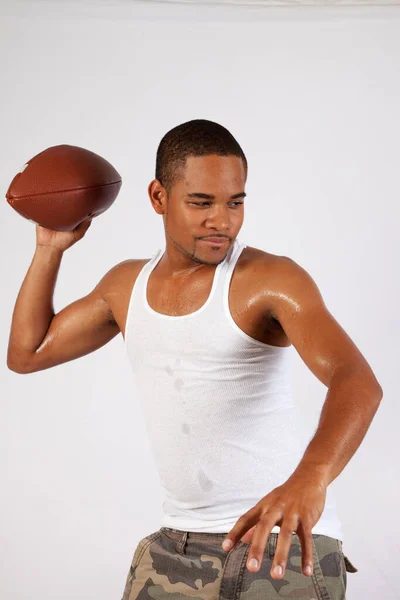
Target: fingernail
[278, 570]
[308, 569]
[227, 544]
[253, 562]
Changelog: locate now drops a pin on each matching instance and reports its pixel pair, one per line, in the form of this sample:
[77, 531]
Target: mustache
[222, 237]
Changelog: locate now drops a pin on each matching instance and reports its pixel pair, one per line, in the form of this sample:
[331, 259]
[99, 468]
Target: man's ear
[158, 196]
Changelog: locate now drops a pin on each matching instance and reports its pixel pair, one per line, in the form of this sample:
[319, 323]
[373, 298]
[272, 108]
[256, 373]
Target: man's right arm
[39, 338]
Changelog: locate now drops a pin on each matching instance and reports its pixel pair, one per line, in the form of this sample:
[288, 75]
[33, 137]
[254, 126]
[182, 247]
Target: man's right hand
[61, 239]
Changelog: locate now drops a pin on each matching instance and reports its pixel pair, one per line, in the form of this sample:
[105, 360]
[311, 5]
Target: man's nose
[219, 219]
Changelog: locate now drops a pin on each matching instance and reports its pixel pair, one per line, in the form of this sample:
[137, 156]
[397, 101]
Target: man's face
[206, 202]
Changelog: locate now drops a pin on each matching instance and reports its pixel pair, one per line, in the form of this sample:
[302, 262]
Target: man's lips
[215, 240]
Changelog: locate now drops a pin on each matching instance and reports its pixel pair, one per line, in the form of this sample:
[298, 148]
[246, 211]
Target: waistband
[215, 539]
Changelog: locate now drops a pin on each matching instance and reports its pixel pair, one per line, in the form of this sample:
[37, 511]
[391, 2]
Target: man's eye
[205, 203]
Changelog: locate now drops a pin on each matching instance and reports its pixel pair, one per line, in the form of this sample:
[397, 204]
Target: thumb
[82, 228]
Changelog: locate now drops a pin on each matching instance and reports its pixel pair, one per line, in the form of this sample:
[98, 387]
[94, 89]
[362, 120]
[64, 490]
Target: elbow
[366, 378]
[18, 365]
[16, 368]
[376, 390]
[376, 386]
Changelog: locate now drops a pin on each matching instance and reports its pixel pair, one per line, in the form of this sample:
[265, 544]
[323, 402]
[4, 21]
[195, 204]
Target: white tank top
[218, 408]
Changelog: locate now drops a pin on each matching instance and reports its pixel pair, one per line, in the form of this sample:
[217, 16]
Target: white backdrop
[313, 97]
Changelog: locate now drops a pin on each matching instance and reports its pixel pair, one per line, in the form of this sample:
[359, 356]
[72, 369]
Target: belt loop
[180, 546]
[317, 575]
[272, 543]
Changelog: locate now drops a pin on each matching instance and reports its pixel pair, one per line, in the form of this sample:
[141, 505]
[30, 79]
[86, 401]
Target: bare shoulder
[116, 287]
[122, 275]
[265, 261]
[278, 278]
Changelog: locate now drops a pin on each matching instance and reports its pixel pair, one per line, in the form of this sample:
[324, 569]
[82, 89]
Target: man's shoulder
[260, 259]
[122, 275]
[279, 278]
[279, 274]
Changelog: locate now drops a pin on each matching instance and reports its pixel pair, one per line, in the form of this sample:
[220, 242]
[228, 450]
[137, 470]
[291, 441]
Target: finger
[260, 540]
[243, 524]
[248, 536]
[305, 534]
[285, 539]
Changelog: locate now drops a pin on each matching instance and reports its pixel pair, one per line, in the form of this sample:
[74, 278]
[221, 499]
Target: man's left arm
[353, 393]
[352, 400]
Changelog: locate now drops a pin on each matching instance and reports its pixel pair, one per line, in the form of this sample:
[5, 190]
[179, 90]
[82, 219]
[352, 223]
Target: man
[209, 325]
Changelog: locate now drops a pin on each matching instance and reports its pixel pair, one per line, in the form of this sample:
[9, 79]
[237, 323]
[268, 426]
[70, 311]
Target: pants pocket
[347, 565]
[347, 562]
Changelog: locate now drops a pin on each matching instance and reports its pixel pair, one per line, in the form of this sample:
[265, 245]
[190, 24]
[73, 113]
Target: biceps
[79, 329]
[322, 343]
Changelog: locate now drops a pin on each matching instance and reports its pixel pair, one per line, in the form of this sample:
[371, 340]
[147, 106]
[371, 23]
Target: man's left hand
[295, 507]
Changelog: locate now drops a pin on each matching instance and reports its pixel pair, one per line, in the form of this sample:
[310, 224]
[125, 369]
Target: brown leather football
[62, 186]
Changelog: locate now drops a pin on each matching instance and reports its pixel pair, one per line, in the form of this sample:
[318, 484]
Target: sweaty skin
[271, 298]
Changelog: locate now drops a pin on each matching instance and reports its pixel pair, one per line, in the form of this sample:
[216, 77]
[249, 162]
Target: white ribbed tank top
[218, 408]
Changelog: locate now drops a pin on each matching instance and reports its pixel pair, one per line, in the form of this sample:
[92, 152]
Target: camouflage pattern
[177, 565]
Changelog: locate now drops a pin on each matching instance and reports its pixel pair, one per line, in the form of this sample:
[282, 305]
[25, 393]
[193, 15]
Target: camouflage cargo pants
[177, 565]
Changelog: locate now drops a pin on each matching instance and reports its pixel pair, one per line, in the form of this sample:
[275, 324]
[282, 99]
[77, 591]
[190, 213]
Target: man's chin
[208, 258]
[204, 255]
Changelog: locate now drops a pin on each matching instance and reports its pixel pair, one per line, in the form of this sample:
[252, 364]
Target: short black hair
[198, 137]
